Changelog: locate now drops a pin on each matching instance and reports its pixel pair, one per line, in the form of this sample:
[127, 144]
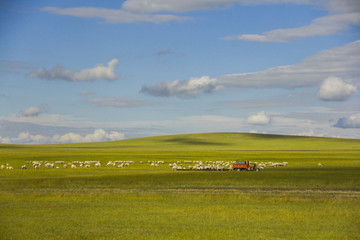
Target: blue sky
[76, 71]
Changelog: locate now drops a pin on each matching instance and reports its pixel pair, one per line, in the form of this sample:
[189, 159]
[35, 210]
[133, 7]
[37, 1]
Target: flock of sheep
[77, 164]
[185, 165]
[218, 165]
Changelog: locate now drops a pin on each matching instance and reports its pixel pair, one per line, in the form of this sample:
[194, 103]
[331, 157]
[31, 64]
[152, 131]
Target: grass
[299, 201]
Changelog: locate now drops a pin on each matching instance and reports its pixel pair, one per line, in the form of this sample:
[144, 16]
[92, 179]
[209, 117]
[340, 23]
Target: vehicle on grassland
[245, 166]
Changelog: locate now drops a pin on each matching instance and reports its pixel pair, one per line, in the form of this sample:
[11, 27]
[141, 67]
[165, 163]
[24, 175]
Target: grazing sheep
[2, 166]
[98, 164]
[320, 165]
[23, 167]
[73, 166]
[49, 165]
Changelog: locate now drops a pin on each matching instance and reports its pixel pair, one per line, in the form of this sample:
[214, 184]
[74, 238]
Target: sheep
[49, 165]
[320, 165]
[23, 167]
[73, 166]
[98, 164]
[2, 166]
[9, 167]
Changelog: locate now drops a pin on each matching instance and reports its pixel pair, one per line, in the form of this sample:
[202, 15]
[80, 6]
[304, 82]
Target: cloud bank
[120, 102]
[115, 15]
[98, 72]
[322, 26]
[342, 62]
[99, 135]
[343, 15]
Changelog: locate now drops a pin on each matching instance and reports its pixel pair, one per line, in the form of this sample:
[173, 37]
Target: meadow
[297, 201]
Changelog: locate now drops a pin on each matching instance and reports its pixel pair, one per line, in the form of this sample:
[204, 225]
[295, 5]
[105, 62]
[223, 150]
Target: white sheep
[320, 165]
[23, 167]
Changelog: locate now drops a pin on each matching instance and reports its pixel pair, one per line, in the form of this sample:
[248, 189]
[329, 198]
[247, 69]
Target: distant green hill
[225, 141]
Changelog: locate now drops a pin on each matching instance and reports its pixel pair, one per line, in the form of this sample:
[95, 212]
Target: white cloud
[352, 121]
[34, 111]
[99, 135]
[184, 89]
[119, 102]
[98, 72]
[115, 15]
[31, 111]
[261, 118]
[334, 89]
[322, 26]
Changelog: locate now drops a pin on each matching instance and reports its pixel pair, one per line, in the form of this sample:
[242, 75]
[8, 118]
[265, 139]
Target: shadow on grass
[192, 141]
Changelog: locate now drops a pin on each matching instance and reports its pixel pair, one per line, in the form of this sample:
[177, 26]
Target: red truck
[244, 165]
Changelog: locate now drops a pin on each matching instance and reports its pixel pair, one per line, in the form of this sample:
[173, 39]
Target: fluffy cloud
[261, 118]
[34, 111]
[98, 135]
[98, 72]
[115, 16]
[119, 102]
[334, 89]
[349, 122]
[184, 89]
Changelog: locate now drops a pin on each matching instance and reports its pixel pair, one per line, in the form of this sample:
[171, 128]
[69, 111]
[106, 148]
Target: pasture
[297, 201]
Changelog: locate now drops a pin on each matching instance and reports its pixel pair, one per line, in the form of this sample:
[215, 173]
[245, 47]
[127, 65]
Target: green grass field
[297, 201]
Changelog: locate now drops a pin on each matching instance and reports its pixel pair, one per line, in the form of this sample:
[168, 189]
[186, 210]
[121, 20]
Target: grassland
[298, 201]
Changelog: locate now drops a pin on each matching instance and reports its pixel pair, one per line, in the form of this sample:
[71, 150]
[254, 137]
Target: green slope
[227, 141]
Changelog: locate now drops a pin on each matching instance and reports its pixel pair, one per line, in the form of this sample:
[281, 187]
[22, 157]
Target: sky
[90, 71]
